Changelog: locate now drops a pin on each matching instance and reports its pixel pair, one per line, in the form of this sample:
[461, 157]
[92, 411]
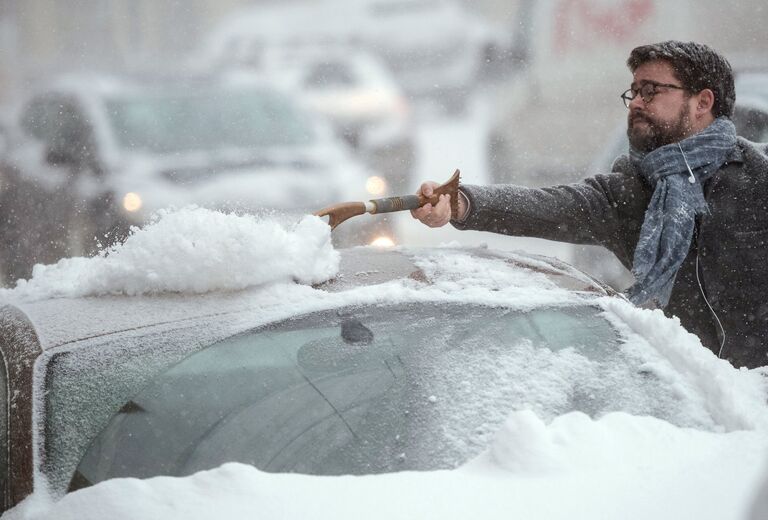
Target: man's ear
[705, 100]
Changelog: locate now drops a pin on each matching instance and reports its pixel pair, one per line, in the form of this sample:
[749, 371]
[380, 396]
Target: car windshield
[405, 7]
[207, 119]
[371, 390]
[330, 74]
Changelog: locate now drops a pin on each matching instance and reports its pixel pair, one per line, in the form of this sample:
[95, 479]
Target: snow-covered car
[435, 48]
[103, 154]
[458, 380]
[363, 103]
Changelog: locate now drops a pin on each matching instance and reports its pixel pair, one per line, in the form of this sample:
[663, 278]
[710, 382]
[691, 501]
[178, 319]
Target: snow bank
[192, 250]
[575, 443]
[574, 467]
[734, 398]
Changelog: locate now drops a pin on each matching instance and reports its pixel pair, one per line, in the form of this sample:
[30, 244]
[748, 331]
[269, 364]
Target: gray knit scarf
[676, 172]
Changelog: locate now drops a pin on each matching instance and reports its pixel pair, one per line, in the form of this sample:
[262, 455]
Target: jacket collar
[736, 155]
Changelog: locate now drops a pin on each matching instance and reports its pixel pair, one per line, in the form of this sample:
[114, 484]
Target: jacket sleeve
[600, 210]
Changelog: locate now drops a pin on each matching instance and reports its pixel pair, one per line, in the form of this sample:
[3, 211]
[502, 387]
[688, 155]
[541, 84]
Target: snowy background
[543, 117]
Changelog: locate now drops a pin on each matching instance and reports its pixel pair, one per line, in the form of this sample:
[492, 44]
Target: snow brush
[338, 213]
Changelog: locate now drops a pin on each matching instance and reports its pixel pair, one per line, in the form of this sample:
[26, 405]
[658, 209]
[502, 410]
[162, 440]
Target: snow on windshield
[191, 250]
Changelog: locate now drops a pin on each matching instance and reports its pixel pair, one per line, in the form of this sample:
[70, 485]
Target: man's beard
[655, 134]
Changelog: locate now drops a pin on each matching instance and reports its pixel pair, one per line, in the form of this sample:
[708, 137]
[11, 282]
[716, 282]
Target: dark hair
[696, 65]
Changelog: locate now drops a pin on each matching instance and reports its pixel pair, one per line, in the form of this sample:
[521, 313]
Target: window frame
[19, 348]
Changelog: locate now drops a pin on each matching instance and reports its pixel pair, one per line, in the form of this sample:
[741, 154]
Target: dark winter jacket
[730, 245]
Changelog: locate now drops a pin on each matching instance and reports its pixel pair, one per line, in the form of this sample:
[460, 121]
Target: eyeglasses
[646, 92]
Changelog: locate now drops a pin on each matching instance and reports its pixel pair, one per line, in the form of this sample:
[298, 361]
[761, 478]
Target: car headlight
[375, 185]
[132, 202]
[382, 241]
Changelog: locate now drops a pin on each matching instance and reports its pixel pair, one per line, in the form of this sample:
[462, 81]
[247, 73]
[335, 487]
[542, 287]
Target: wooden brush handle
[338, 213]
[406, 202]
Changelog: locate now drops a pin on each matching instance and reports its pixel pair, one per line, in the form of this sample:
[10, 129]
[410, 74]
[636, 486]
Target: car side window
[328, 75]
[60, 124]
[39, 119]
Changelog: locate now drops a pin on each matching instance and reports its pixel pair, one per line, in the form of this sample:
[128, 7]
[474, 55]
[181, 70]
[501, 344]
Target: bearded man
[685, 210]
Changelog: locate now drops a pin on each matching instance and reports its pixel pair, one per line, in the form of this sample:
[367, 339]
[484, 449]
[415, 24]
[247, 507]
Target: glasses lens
[647, 92]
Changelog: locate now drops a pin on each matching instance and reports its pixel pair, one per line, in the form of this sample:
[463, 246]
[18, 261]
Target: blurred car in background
[99, 155]
[398, 363]
[436, 49]
[360, 98]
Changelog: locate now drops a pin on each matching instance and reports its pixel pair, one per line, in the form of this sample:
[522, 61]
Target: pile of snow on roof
[191, 250]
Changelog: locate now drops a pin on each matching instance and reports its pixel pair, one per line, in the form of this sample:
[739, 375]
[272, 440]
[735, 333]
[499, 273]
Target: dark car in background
[4, 135]
[97, 155]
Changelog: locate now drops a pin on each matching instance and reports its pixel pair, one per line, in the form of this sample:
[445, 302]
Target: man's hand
[439, 214]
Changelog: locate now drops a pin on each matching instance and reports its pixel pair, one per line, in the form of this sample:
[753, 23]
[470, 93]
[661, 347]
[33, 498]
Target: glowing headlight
[132, 202]
[382, 241]
[375, 185]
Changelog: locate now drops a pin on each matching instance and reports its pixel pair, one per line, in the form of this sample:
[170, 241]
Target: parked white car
[101, 155]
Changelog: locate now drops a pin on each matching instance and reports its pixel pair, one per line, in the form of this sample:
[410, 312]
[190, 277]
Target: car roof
[65, 321]
[102, 85]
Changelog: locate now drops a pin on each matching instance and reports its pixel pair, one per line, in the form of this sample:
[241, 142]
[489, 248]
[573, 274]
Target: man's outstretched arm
[597, 210]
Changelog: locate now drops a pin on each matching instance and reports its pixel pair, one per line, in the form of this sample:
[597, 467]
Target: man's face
[666, 118]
